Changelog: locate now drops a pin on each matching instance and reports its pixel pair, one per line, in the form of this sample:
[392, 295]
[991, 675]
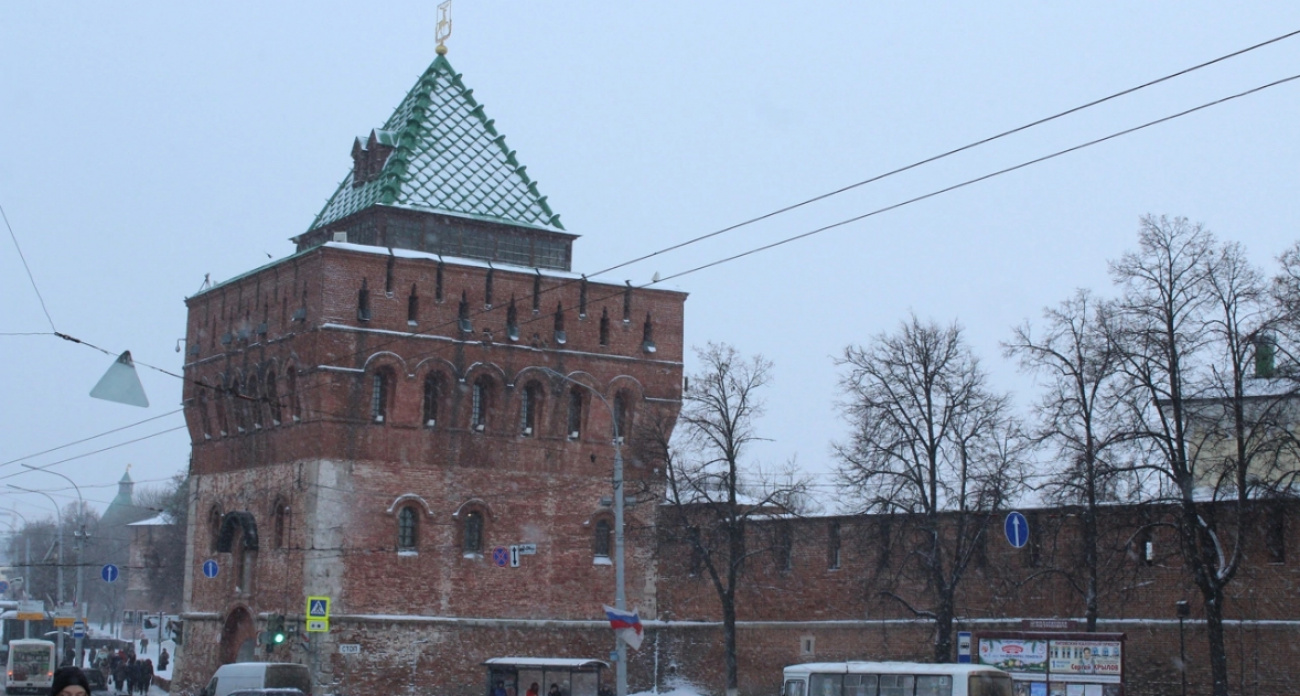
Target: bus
[30, 667]
[894, 679]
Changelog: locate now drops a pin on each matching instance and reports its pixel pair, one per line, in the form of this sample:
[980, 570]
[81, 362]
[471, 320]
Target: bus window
[990, 685]
[897, 684]
[934, 685]
[794, 687]
[826, 685]
[860, 684]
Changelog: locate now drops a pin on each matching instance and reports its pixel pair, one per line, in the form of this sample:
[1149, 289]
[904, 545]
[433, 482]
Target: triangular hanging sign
[121, 383]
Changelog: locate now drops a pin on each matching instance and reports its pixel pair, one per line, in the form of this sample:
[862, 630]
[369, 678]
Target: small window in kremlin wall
[807, 645]
[601, 539]
[472, 535]
[406, 529]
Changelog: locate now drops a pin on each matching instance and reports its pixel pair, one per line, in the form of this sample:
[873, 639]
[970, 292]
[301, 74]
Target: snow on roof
[557, 662]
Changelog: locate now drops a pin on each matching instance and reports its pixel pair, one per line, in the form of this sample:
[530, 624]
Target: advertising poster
[1085, 660]
[1014, 655]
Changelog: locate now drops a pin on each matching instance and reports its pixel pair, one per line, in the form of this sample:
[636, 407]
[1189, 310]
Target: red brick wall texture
[280, 402]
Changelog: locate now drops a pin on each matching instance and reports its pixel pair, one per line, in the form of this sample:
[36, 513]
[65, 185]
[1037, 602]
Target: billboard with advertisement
[1086, 660]
[1023, 655]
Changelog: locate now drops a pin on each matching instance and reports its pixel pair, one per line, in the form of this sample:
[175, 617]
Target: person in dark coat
[132, 674]
[163, 657]
[146, 675]
[119, 672]
[70, 681]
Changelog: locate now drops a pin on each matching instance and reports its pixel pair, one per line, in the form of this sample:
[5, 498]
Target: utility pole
[58, 516]
[620, 593]
[80, 535]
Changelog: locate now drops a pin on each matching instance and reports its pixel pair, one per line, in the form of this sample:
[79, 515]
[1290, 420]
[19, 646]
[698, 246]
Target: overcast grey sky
[149, 144]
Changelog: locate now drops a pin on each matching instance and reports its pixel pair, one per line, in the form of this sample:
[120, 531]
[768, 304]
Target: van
[29, 668]
[239, 676]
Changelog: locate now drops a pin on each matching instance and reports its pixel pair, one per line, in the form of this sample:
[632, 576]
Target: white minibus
[894, 679]
[30, 668]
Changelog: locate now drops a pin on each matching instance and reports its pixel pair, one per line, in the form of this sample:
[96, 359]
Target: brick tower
[422, 382]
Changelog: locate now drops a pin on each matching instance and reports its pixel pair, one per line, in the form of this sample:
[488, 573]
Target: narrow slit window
[437, 285]
[363, 302]
[431, 394]
[472, 542]
[601, 539]
[379, 387]
[413, 307]
[487, 289]
[512, 321]
[627, 303]
[462, 313]
[528, 411]
[648, 335]
[560, 336]
[537, 293]
[575, 413]
[406, 529]
[833, 546]
[478, 409]
[582, 298]
[273, 397]
[604, 327]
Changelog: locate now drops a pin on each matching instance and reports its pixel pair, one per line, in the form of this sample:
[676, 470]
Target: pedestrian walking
[163, 657]
[146, 675]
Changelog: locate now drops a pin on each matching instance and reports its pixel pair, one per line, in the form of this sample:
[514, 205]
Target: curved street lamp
[620, 595]
[80, 535]
[59, 515]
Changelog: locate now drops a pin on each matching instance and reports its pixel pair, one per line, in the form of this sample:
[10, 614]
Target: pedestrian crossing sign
[318, 607]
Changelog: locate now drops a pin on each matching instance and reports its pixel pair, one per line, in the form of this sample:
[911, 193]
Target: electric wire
[791, 207]
[26, 267]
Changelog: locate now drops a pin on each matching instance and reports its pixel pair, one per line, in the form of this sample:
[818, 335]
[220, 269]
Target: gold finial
[443, 30]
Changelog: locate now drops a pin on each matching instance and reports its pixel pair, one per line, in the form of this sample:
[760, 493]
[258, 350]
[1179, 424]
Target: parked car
[259, 676]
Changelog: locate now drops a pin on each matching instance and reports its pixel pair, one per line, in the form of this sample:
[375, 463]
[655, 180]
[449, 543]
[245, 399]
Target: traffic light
[275, 633]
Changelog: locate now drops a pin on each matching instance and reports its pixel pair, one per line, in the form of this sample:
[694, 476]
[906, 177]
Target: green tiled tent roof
[447, 157]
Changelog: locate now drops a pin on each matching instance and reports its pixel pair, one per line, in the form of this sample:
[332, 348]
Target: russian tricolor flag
[627, 625]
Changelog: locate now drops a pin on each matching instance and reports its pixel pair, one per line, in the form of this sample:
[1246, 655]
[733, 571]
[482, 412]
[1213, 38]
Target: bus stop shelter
[574, 676]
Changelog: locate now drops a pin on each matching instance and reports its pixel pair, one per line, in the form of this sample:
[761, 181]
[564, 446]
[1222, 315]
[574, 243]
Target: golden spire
[443, 29]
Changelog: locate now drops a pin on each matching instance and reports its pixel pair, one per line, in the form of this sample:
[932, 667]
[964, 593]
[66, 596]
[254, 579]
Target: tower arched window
[273, 397]
[432, 392]
[575, 413]
[528, 409]
[472, 535]
[407, 528]
[622, 417]
[214, 526]
[255, 402]
[604, 327]
[201, 405]
[481, 398]
[381, 386]
[281, 518]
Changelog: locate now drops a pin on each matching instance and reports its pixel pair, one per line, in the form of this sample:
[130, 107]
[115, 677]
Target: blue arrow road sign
[1017, 529]
[210, 568]
[109, 572]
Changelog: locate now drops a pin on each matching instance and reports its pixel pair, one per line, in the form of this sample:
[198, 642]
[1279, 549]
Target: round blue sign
[210, 568]
[109, 572]
[500, 556]
[1017, 529]
[4, 587]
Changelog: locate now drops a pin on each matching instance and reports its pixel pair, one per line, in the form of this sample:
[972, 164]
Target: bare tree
[1078, 416]
[930, 440]
[714, 491]
[1192, 314]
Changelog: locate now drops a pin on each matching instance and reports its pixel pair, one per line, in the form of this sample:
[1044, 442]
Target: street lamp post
[1184, 610]
[58, 516]
[80, 535]
[27, 574]
[620, 595]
